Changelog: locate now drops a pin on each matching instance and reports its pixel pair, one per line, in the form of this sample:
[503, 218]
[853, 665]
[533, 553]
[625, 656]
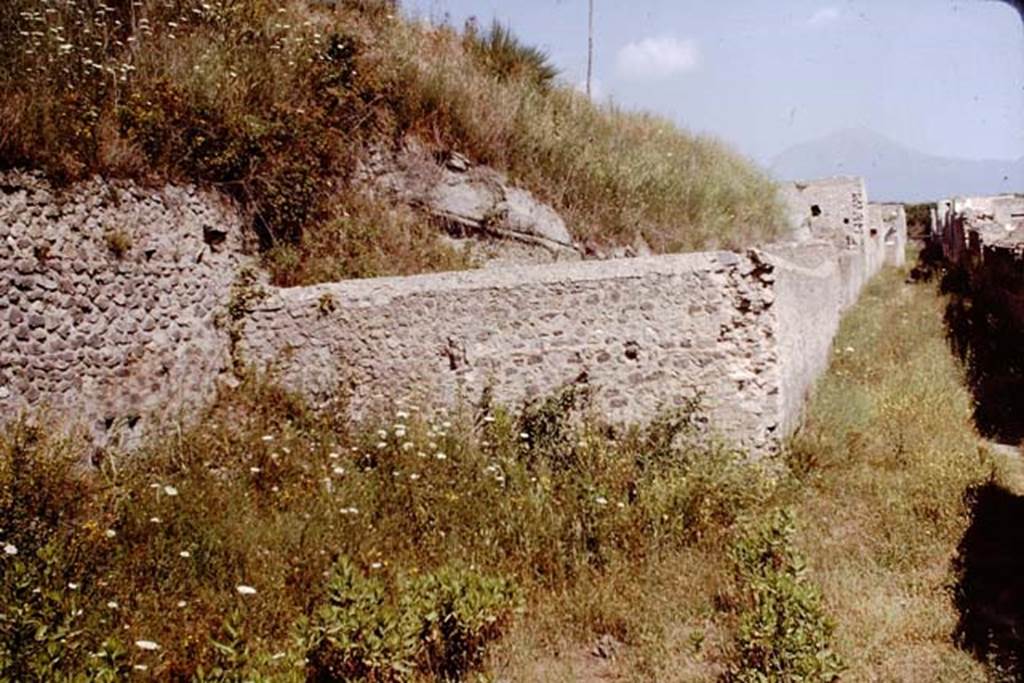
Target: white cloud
[657, 58]
[824, 17]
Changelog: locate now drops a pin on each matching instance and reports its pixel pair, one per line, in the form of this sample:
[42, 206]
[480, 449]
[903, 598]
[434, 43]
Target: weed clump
[439, 624]
[784, 633]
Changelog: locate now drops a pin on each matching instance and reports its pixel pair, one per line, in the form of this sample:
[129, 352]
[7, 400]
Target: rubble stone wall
[121, 302]
[109, 295]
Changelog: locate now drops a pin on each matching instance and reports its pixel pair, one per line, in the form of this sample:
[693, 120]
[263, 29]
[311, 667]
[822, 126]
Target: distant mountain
[894, 172]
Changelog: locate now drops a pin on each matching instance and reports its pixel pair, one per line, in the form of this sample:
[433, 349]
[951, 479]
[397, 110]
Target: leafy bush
[784, 634]
[439, 623]
[459, 612]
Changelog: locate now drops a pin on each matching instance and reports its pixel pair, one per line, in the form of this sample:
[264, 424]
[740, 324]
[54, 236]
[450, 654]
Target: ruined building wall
[117, 303]
[835, 210]
[646, 333]
[983, 237]
[108, 297]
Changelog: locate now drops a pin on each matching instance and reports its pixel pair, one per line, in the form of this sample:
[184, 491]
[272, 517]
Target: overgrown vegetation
[275, 103]
[289, 544]
[285, 545]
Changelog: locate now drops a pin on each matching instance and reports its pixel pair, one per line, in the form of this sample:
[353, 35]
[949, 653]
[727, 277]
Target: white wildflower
[146, 645]
[170, 491]
[245, 590]
[73, 586]
[339, 471]
[601, 500]
[182, 604]
[110, 533]
[375, 565]
[267, 438]
[112, 604]
[10, 549]
[441, 456]
[185, 553]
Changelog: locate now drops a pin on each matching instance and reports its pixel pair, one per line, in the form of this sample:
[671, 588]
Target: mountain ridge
[895, 172]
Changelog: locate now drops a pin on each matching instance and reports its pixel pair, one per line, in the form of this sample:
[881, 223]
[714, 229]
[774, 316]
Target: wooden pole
[590, 45]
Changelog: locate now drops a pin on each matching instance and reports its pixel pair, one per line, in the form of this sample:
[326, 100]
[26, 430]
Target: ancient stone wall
[645, 332]
[109, 295]
[983, 237]
[122, 302]
[835, 210]
[810, 291]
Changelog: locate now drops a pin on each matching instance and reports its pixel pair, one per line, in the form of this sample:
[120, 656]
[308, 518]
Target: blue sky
[941, 76]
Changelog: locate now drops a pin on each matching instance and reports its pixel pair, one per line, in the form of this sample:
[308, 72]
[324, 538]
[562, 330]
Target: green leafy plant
[459, 613]
[784, 633]
[439, 623]
[359, 632]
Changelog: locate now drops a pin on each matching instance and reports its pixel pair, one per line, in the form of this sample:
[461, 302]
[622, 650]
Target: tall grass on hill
[275, 103]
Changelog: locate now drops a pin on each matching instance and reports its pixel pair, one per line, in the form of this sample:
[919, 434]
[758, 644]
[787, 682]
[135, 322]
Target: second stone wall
[747, 333]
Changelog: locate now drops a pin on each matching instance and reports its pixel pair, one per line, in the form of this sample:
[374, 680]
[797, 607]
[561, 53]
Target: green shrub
[359, 632]
[784, 634]
[439, 623]
[459, 613]
[41, 634]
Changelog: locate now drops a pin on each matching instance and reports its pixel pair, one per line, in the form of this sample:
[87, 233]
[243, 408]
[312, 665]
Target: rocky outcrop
[472, 202]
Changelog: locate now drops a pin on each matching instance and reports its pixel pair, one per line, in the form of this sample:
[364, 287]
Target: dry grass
[890, 450]
[275, 103]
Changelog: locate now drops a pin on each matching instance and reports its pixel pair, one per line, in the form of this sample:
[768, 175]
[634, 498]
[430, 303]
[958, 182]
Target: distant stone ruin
[121, 305]
[982, 243]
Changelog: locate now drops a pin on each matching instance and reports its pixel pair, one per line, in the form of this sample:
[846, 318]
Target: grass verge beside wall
[886, 456]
